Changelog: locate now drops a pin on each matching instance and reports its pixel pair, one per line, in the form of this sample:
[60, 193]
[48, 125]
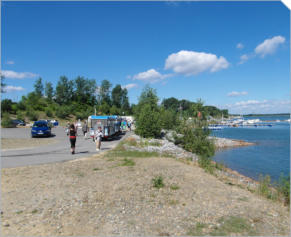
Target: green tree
[116, 96]
[38, 87]
[147, 114]
[148, 96]
[104, 108]
[169, 119]
[6, 121]
[125, 107]
[6, 105]
[49, 91]
[171, 103]
[148, 123]
[84, 90]
[104, 92]
[64, 91]
[114, 110]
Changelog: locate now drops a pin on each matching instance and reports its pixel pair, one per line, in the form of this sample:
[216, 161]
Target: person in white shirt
[98, 137]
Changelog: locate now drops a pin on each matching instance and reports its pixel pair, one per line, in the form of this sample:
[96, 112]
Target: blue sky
[234, 55]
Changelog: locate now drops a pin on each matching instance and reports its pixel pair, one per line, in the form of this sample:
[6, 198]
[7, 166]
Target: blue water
[270, 155]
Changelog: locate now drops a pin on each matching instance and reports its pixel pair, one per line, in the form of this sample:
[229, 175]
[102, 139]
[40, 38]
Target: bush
[20, 115]
[206, 164]
[158, 182]
[62, 112]
[196, 141]
[82, 115]
[284, 188]
[148, 123]
[169, 119]
[32, 115]
[6, 121]
[264, 188]
[49, 112]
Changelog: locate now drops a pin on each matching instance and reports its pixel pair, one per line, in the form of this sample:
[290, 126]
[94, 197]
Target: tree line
[80, 97]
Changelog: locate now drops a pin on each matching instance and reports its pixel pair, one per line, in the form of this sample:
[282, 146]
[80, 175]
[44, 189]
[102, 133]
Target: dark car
[41, 128]
[18, 122]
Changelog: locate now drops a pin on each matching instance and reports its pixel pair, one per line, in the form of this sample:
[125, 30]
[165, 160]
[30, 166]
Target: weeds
[96, 169]
[158, 182]
[125, 153]
[244, 199]
[34, 211]
[205, 163]
[127, 162]
[264, 188]
[220, 166]
[233, 224]
[174, 187]
[173, 202]
[197, 230]
[284, 188]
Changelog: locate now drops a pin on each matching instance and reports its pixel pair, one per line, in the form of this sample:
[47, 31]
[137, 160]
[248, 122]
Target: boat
[215, 127]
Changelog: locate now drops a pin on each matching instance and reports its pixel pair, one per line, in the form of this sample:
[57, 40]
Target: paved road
[57, 152]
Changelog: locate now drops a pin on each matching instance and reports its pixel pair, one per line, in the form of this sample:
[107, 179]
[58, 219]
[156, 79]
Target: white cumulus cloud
[192, 63]
[236, 93]
[13, 88]
[269, 46]
[17, 75]
[240, 46]
[150, 75]
[130, 86]
[259, 106]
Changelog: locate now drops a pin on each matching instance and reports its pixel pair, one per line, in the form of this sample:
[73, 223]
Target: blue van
[41, 128]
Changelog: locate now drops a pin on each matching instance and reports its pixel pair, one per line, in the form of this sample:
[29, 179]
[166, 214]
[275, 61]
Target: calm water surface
[270, 155]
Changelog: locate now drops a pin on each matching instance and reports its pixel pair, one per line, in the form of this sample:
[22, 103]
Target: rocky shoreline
[165, 146]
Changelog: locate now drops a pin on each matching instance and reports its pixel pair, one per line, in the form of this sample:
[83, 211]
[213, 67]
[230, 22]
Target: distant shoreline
[259, 115]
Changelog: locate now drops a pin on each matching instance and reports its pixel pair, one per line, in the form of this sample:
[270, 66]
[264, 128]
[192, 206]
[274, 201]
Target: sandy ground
[100, 196]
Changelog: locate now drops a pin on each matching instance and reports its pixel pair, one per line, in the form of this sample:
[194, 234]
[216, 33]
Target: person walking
[85, 129]
[73, 134]
[98, 138]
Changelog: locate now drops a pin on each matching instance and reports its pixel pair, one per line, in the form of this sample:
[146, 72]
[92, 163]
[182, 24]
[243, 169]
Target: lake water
[270, 155]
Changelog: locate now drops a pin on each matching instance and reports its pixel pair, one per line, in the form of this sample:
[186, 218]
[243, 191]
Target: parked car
[41, 128]
[55, 122]
[18, 122]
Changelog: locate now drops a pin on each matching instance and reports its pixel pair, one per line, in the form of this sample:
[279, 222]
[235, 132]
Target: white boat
[214, 127]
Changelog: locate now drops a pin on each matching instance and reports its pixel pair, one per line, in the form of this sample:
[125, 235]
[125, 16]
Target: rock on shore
[228, 143]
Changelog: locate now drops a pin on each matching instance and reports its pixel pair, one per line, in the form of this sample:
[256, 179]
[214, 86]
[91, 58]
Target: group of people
[72, 132]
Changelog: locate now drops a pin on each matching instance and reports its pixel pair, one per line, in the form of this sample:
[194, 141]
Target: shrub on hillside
[169, 119]
[32, 115]
[49, 112]
[6, 121]
[20, 115]
[62, 112]
[148, 123]
[284, 188]
[82, 115]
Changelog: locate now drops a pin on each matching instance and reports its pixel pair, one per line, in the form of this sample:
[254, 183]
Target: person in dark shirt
[73, 134]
